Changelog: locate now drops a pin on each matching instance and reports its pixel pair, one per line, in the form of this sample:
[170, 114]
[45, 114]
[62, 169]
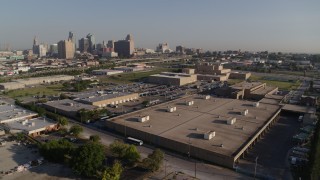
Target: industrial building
[32, 127]
[217, 130]
[106, 72]
[102, 99]
[211, 72]
[240, 75]
[10, 112]
[174, 79]
[22, 83]
[247, 90]
[16, 119]
[67, 107]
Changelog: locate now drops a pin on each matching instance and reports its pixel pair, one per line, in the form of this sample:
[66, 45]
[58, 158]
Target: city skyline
[287, 26]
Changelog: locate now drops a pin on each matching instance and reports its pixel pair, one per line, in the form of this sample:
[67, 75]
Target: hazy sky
[274, 25]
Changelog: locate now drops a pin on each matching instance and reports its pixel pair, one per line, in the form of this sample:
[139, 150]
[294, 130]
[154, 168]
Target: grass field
[134, 76]
[282, 85]
[234, 81]
[38, 90]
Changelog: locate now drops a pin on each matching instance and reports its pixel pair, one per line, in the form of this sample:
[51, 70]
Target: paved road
[272, 150]
[174, 162]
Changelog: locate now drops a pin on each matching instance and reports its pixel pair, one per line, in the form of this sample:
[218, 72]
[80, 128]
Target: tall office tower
[104, 44]
[110, 44]
[92, 42]
[162, 48]
[35, 46]
[84, 45]
[180, 49]
[72, 37]
[42, 50]
[53, 49]
[66, 49]
[125, 48]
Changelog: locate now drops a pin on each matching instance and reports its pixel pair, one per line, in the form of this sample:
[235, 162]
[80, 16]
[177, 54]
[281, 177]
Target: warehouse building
[240, 75]
[174, 79]
[10, 112]
[106, 72]
[32, 127]
[218, 130]
[247, 90]
[102, 99]
[22, 83]
[67, 107]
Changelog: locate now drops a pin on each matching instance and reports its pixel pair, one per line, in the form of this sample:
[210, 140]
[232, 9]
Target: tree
[95, 138]
[153, 161]
[311, 86]
[88, 158]
[83, 114]
[131, 154]
[114, 172]
[76, 130]
[128, 153]
[56, 150]
[117, 148]
[62, 121]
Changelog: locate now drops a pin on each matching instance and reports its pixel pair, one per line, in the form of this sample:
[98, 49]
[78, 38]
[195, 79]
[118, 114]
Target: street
[174, 162]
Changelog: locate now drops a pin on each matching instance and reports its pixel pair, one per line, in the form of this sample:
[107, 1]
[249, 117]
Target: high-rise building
[72, 38]
[35, 46]
[92, 42]
[53, 49]
[180, 49]
[42, 50]
[125, 48]
[84, 45]
[110, 44]
[66, 49]
[163, 48]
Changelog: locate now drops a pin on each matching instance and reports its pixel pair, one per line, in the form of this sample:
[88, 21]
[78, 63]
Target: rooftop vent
[245, 112]
[209, 135]
[206, 97]
[189, 103]
[143, 118]
[231, 121]
[256, 104]
[171, 109]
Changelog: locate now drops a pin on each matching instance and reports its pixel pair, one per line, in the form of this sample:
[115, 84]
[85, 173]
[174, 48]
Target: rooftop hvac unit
[256, 104]
[189, 103]
[206, 97]
[143, 118]
[231, 121]
[245, 112]
[209, 135]
[171, 109]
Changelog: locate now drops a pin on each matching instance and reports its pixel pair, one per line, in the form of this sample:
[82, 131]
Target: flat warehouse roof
[31, 124]
[69, 105]
[10, 112]
[189, 123]
[246, 85]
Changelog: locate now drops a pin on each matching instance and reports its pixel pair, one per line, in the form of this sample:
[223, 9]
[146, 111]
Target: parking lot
[273, 150]
[14, 154]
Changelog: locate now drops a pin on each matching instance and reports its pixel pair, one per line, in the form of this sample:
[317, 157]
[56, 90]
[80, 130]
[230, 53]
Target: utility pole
[255, 167]
[195, 168]
[125, 129]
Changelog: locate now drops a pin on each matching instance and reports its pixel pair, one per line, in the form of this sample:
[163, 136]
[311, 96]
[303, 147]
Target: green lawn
[38, 90]
[133, 76]
[282, 85]
[234, 81]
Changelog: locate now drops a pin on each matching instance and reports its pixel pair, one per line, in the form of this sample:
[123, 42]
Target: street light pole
[255, 167]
